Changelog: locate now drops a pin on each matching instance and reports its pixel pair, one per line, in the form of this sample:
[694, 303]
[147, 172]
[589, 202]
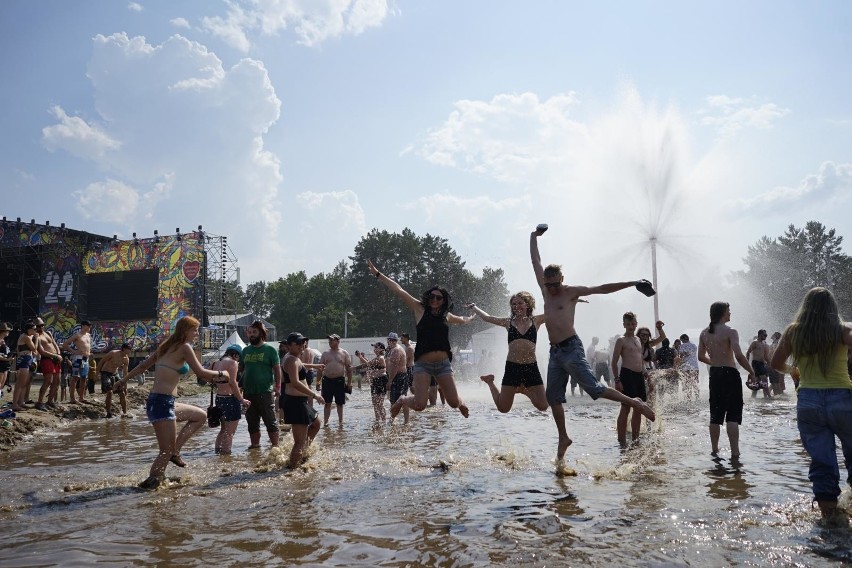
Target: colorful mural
[180, 263]
[54, 261]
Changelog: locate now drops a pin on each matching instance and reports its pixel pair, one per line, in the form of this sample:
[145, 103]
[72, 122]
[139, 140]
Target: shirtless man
[50, 366]
[80, 345]
[566, 351]
[405, 341]
[336, 378]
[760, 356]
[113, 362]
[719, 347]
[396, 369]
[599, 360]
[631, 378]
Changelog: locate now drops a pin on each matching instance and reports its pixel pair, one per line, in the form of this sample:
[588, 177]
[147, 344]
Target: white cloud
[831, 184]
[134, 7]
[512, 138]
[192, 133]
[77, 137]
[730, 115]
[313, 21]
[110, 199]
[180, 23]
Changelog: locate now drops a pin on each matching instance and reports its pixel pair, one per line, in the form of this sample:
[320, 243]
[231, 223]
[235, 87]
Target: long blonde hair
[817, 329]
[179, 337]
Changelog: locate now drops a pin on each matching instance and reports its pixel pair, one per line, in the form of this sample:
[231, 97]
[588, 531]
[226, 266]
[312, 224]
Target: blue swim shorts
[160, 407]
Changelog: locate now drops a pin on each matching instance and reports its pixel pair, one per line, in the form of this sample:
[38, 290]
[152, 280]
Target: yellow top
[813, 378]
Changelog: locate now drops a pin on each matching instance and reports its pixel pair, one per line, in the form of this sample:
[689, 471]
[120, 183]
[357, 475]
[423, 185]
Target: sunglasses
[438, 297]
[552, 284]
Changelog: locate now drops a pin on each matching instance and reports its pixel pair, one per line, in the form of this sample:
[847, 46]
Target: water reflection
[440, 491]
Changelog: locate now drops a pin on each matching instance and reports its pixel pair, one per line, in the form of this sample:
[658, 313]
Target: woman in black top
[432, 353]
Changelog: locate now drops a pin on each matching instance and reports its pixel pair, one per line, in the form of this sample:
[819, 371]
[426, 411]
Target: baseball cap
[295, 337]
[378, 344]
[334, 336]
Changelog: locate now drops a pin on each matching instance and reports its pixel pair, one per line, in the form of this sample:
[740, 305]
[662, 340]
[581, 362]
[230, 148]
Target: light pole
[346, 323]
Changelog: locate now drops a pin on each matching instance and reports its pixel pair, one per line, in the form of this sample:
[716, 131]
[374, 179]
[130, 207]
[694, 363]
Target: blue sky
[295, 126]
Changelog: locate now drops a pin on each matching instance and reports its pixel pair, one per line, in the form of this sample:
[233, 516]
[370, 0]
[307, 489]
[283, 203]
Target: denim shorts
[160, 407]
[231, 407]
[436, 369]
[823, 414]
[568, 359]
[80, 367]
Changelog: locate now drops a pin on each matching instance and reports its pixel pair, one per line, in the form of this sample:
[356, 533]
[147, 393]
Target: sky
[294, 127]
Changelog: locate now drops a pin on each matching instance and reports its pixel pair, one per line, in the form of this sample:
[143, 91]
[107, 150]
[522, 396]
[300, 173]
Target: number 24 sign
[59, 287]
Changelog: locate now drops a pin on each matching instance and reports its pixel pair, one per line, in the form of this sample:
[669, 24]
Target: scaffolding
[221, 281]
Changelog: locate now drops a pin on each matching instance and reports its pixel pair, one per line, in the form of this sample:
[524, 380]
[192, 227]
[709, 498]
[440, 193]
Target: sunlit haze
[294, 127]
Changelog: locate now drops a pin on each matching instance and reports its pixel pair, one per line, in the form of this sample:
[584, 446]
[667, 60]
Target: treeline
[318, 306]
[783, 268]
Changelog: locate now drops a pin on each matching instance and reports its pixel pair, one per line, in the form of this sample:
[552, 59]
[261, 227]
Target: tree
[256, 300]
[417, 264]
[781, 270]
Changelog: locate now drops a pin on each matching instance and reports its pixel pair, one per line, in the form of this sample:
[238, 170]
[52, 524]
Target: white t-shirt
[689, 355]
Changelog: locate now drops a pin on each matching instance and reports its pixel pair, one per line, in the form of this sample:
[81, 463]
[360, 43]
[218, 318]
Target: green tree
[256, 300]
[782, 269]
[417, 264]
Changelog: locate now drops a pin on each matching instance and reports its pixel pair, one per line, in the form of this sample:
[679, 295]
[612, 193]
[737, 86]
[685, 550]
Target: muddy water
[443, 491]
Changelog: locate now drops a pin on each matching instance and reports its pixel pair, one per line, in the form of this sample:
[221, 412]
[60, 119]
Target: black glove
[645, 287]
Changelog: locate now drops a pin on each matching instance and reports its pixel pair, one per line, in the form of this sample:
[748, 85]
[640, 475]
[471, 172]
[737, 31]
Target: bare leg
[225, 438]
[734, 438]
[54, 389]
[564, 441]
[635, 425]
[108, 403]
[433, 395]
[447, 388]
[122, 399]
[19, 394]
[502, 399]
[195, 418]
[418, 400]
[300, 436]
[621, 424]
[165, 432]
[715, 430]
[537, 396]
[340, 415]
[326, 413]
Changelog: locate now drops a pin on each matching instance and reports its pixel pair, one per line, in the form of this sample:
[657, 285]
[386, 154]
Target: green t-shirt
[258, 376]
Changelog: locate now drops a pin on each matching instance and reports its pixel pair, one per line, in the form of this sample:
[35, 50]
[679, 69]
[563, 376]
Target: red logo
[191, 268]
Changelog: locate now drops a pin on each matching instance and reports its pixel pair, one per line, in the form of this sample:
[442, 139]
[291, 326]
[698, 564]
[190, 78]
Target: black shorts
[726, 395]
[521, 375]
[633, 384]
[298, 410]
[379, 386]
[761, 369]
[334, 388]
[398, 386]
[310, 376]
[107, 381]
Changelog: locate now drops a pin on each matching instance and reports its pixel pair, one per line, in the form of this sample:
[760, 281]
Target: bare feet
[645, 410]
[395, 408]
[464, 409]
[488, 379]
[564, 442]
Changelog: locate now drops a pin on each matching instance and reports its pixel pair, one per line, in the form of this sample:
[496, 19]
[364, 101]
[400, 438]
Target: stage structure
[132, 291]
[222, 278]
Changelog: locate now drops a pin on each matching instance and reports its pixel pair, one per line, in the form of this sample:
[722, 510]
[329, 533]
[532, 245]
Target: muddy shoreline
[32, 421]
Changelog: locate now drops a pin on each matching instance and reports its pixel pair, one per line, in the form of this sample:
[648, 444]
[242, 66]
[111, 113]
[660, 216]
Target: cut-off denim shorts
[160, 407]
[436, 369]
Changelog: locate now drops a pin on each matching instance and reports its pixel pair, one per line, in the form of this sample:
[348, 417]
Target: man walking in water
[405, 340]
[760, 355]
[336, 377]
[566, 351]
[261, 383]
[113, 362]
[80, 352]
[719, 347]
[396, 370]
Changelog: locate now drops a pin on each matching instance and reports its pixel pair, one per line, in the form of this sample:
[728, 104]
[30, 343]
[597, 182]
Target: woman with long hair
[817, 342]
[229, 398]
[432, 354]
[521, 374]
[172, 360]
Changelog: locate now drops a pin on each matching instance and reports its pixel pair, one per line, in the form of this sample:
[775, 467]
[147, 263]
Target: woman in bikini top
[522, 375]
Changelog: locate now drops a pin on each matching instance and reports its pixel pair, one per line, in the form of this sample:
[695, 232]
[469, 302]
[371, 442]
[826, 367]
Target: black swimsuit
[531, 334]
[522, 374]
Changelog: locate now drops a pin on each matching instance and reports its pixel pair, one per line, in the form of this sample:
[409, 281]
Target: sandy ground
[13, 430]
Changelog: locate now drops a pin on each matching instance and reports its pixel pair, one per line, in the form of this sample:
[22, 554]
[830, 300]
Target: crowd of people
[638, 367]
